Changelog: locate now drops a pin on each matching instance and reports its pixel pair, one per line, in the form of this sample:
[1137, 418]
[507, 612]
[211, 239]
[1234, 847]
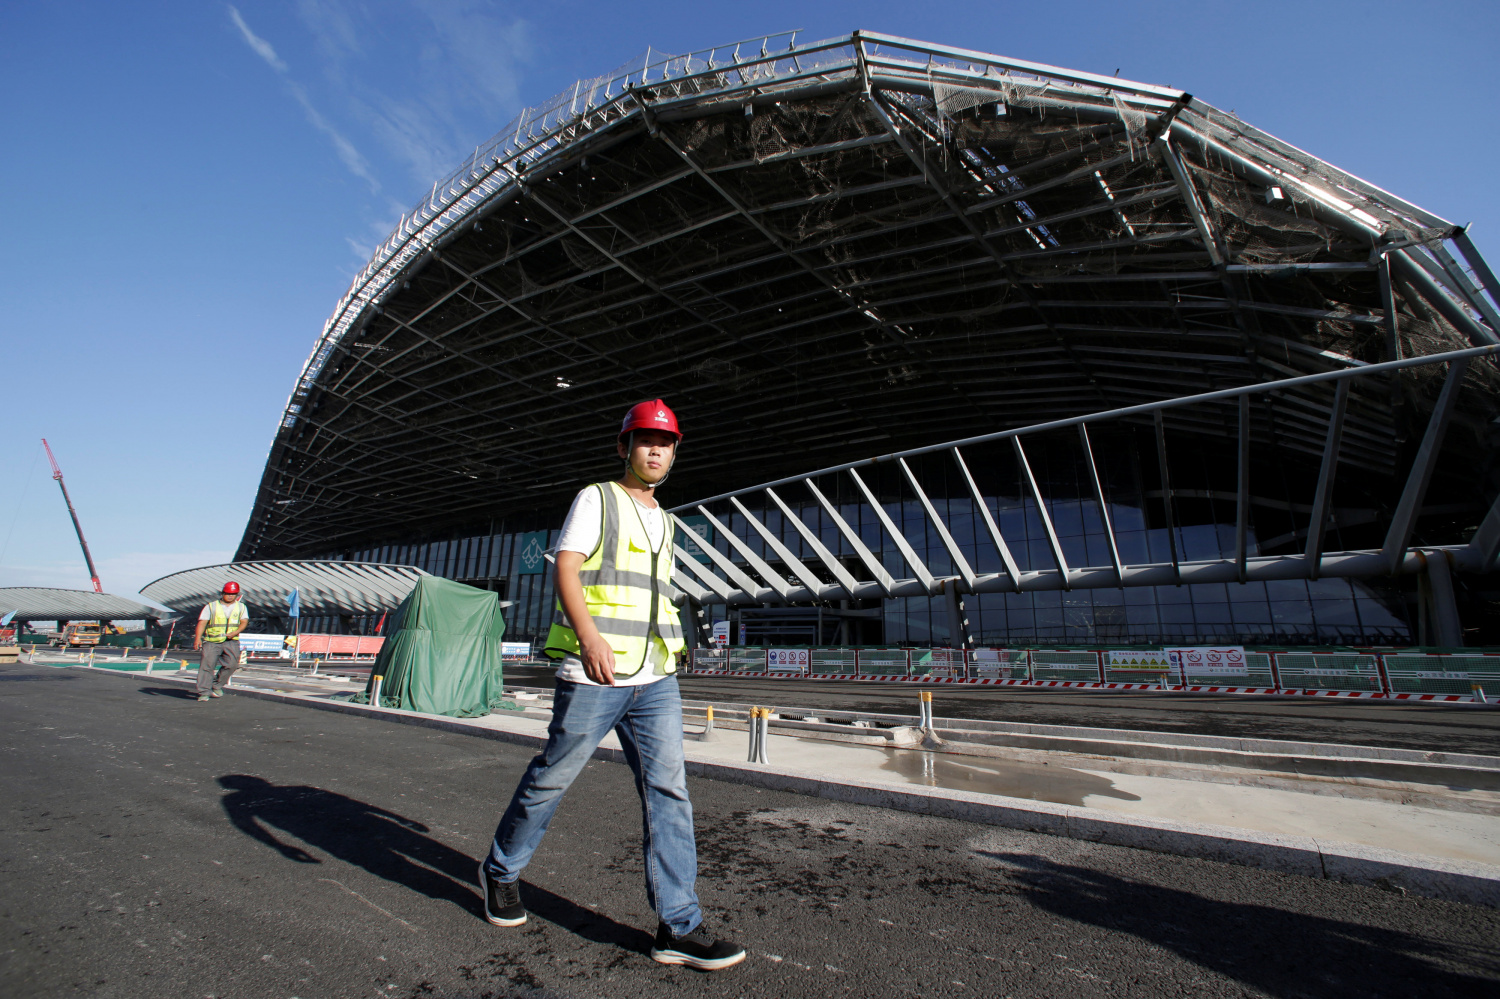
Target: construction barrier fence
[1392, 674]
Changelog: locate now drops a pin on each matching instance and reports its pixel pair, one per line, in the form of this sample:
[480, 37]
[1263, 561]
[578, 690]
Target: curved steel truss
[809, 248]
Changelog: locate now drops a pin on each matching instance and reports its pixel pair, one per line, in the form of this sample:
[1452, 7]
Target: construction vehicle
[84, 634]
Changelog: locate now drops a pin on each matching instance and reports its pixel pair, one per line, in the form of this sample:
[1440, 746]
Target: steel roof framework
[323, 588]
[807, 248]
[44, 603]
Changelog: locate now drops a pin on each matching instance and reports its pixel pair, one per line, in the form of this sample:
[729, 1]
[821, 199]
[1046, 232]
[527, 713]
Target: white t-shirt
[580, 533]
[235, 613]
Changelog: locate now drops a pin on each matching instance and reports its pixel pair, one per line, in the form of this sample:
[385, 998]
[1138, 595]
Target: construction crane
[57, 474]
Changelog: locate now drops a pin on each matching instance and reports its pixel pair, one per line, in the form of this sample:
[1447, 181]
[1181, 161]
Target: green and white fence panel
[746, 659]
[710, 659]
[1443, 674]
[884, 662]
[999, 664]
[1328, 671]
[944, 663]
[1064, 664]
[831, 661]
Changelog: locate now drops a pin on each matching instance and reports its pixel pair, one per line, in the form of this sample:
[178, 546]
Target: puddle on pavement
[1037, 781]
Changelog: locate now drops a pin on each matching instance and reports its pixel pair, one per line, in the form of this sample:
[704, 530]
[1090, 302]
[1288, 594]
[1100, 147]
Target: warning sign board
[1151, 659]
[1228, 659]
[795, 660]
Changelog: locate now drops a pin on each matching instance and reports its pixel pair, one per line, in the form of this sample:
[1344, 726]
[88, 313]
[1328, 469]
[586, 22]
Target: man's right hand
[598, 659]
[197, 646]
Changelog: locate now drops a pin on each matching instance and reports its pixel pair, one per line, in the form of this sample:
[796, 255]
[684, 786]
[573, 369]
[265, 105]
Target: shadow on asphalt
[186, 694]
[1281, 952]
[386, 844]
[393, 847]
[584, 922]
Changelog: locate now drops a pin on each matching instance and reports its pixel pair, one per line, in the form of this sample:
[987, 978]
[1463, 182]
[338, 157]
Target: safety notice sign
[1228, 659]
[1152, 659]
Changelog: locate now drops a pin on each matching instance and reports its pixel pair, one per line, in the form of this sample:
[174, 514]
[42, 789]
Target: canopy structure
[938, 324]
[41, 603]
[818, 250]
[323, 588]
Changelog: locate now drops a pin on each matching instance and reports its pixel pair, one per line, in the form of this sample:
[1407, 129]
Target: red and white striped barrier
[1088, 684]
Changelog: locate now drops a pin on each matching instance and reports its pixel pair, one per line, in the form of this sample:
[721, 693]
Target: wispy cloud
[348, 154]
[455, 63]
[257, 44]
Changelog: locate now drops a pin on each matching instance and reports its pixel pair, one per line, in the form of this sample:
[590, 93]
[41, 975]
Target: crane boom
[57, 474]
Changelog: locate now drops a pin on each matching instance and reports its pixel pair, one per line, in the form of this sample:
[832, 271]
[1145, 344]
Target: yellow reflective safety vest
[628, 589]
[222, 618]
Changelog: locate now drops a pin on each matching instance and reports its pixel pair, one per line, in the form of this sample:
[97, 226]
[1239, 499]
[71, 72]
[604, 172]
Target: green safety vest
[628, 589]
[222, 618]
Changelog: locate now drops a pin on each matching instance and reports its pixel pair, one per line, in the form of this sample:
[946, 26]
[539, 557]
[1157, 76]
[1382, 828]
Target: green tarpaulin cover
[444, 657]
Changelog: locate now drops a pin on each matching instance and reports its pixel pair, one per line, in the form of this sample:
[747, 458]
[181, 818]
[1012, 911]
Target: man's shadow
[392, 847]
[187, 694]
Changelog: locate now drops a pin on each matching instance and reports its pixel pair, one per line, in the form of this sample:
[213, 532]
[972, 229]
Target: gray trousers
[220, 660]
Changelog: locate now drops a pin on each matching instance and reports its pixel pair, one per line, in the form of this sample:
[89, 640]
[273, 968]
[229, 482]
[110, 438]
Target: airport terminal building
[966, 350]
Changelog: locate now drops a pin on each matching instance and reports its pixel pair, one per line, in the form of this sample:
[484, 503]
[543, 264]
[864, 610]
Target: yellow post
[710, 714]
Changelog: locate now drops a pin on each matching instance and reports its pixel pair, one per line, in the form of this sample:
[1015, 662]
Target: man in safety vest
[616, 637]
[217, 635]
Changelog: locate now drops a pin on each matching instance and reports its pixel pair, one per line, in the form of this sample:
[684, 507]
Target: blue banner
[530, 549]
[294, 607]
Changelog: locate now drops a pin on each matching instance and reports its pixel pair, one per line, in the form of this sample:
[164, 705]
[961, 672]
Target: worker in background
[217, 636]
[616, 636]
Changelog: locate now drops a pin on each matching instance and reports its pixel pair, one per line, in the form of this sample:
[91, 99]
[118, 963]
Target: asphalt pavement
[151, 846]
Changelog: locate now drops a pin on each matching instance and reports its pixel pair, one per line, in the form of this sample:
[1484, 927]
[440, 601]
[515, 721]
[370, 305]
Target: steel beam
[1109, 529]
[704, 574]
[1446, 624]
[772, 578]
[1434, 295]
[811, 539]
[882, 577]
[918, 567]
[1011, 569]
[784, 553]
[1042, 511]
[1478, 263]
[1323, 498]
[733, 572]
[1206, 229]
[954, 552]
[1410, 505]
[1166, 489]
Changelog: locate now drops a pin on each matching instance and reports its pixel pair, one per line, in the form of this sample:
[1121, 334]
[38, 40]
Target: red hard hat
[231, 587]
[652, 415]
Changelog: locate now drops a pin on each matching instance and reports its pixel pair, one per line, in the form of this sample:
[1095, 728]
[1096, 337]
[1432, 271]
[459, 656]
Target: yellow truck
[75, 636]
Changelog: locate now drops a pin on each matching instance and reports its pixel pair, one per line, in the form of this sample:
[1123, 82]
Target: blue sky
[189, 187]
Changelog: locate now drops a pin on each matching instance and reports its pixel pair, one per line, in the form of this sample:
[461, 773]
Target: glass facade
[1294, 612]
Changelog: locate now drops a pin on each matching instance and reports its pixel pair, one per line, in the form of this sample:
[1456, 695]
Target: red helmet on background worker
[653, 415]
[231, 587]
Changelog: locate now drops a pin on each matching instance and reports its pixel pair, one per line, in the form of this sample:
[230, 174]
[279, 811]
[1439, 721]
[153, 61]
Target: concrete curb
[1433, 877]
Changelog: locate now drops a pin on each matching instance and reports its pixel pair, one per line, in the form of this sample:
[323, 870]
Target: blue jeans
[648, 720]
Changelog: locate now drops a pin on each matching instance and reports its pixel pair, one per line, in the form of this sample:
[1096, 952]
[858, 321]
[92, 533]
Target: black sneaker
[502, 899]
[696, 950]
